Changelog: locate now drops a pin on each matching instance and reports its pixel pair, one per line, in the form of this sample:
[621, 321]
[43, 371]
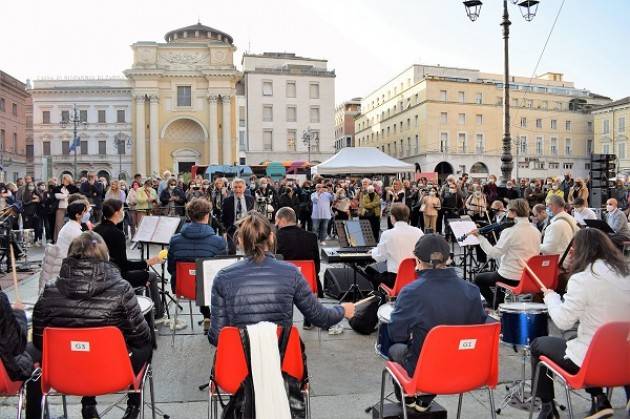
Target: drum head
[385, 312]
[522, 308]
[145, 304]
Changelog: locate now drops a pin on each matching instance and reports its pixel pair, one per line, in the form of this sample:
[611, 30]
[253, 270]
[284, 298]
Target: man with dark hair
[581, 212]
[438, 297]
[195, 240]
[394, 245]
[94, 192]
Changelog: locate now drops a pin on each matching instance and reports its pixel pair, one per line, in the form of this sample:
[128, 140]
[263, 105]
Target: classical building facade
[285, 95]
[103, 108]
[450, 120]
[184, 107]
[14, 103]
[612, 131]
[344, 123]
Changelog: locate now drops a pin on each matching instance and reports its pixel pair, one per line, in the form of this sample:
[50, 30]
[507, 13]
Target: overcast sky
[367, 42]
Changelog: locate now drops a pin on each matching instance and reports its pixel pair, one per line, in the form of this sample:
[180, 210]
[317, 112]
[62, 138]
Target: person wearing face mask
[581, 212]
[77, 212]
[490, 188]
[476, 204]
[429, 207]
[173, 198]
[509, 192]
[452, 201]
[578, 190]
[561, 229]
[370, 210]
[341, 207]
[266, 198]
[94, 192]
[554, 191]
[41, 213]
[534, 194]
[289, 198]
[195, 191]
[618, 221]
[566, 185]
[29, 198]
[62, 192]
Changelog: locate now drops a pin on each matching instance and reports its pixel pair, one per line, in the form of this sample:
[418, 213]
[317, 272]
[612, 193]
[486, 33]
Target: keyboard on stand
[347, 255]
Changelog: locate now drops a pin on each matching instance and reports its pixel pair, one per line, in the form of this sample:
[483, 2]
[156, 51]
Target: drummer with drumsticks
[598, 292]
[438, 297]
[521, 241]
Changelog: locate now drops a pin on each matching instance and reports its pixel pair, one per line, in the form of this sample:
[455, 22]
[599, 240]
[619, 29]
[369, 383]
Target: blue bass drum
[521, 323]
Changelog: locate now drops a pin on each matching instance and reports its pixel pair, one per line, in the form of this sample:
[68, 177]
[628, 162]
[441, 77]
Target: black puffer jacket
[90, 293]
[248, 292]
[13, 341]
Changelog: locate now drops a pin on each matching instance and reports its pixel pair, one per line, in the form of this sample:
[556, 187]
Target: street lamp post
[121, 141]
[75, 120]
[528, 10]
[309, 136]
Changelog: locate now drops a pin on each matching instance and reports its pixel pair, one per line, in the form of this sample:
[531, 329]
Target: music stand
[207, 269]
[461, 228]
[600, 225]
[158, 230]
[353, 233]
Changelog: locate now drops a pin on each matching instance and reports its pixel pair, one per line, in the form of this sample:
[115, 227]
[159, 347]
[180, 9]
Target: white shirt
[558, 234]
[518, 242]
[396, 244]
[70, 231]
[585, 214]
[595, 296]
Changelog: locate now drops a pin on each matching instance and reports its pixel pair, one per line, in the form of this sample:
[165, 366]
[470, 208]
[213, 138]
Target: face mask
[452, 190]
[42, 188]
[490, 181]
[432, 193]
[610, 208]
[86, 216]
[549, 213]
[171, 187]
[554, 187]
[31, 187]
[477, 194]
[263, 185]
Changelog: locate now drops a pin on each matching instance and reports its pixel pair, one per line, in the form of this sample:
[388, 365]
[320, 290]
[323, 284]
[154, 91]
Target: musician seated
[90, 293]
[598, 292]
[78, 213]
[561, 229]
[499, 214]
[519, 242]
[618, 221]
[581, 212]
[195, 240]
[540, 218]
[13, 336]
[438, 297]
[135, 272]
[261, 288]
[394, 245]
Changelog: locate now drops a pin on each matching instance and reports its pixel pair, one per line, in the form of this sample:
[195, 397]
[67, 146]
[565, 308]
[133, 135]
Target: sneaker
[161, 321]
[307, 326]
[89, 411]
[177, 326]
[336, 329]
[600, 408]
[132, 412]
[548, 411]
[206, 325]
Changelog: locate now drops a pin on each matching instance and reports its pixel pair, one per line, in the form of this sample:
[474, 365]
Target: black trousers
[553, 348]
[377, 278]
[140, 279]
[138, 356]
[485, 281]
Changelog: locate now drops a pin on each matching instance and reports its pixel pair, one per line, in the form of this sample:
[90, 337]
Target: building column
[227, 125]
[141, 164]
[153, 135]
[213, 132]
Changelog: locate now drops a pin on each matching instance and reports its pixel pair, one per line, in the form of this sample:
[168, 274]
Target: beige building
[344, 123]
[612, 131]
[15, 103]
[184, 111]
[450, 120]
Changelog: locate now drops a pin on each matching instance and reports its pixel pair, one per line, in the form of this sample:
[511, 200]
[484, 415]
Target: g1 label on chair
[467, 344]
[78, 346]
[192, 272]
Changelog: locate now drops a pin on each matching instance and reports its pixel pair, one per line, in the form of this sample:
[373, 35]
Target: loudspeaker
[339, 280]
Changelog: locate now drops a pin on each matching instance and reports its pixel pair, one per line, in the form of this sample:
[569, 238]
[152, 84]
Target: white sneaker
[161, 321]
[336, 329]
[179, 326]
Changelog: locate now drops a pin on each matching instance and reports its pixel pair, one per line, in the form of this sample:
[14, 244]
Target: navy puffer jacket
[248, 292]
[195, 240]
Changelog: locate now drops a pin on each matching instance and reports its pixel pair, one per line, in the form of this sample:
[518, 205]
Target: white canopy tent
[361, 160]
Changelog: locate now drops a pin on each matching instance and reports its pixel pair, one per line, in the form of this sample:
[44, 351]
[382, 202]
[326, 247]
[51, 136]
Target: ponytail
[255, 236]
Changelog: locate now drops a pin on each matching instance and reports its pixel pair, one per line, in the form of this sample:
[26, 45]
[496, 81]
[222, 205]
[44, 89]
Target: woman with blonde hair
[261, 288]
[61, 193]
[578, 190]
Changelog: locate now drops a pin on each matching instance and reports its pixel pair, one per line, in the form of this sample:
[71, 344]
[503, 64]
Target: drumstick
[365, 300]
[15, 281]
[536, 279]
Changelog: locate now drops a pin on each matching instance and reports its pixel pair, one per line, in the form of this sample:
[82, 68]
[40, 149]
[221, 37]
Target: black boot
[132, 411]
[548, 410]
[600, 408]
[88, 411]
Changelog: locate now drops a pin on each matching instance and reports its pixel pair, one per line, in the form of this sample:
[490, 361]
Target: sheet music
[210, 269]
[145, 230]
[165, 229]
[464, 227]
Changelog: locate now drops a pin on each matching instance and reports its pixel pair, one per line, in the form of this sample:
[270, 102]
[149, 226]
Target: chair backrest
[293, 363]
[458, 359]
[607, 360]
[546, 268]
[307, 268]
[230, 364]
[406, 274]
[8, 387]
[85, 361]
[186, 280]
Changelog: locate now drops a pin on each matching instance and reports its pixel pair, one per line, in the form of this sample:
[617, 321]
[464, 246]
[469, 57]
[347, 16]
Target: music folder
[600, 225]
[207, 270]
[157, 229]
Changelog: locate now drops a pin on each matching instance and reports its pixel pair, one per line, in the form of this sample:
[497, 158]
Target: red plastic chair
[453, 360]
[185, 288]
[90, 362]
[230, 366]
[606, 363]
[307, 268]
[10, 388]
[406, 274]
[545, 267]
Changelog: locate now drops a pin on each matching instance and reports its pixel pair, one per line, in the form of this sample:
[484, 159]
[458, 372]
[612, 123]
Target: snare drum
[521, 323]
[384, 318]
[25, 237]
[146, 305]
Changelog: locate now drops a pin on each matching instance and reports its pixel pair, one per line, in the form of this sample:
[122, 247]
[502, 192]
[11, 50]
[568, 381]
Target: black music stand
[460, 228]
[600, 225]
[158, 230]
[349, 237]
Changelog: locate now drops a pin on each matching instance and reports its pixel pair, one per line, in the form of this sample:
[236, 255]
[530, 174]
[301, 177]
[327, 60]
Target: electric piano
[352, 255]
